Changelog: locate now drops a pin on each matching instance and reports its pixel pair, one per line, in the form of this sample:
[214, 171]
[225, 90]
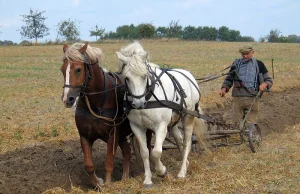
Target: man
[248, 76]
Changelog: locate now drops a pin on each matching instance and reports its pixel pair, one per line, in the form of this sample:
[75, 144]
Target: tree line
[174, 30]
[68, 30]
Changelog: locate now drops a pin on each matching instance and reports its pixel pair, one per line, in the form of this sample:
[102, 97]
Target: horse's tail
[200, 129]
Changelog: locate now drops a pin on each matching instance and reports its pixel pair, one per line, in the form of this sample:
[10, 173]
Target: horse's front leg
[126, 153]
[188, 125]
[140, 134]
[112, 145]
[160, 135]
[86, 146]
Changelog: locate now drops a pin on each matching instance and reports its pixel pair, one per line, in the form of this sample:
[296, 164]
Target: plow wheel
[254, 137]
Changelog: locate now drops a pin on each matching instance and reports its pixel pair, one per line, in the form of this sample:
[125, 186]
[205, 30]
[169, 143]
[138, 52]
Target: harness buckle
[99, 111]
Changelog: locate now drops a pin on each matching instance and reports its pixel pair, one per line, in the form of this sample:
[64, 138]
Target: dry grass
[275, 169]
[31, 111]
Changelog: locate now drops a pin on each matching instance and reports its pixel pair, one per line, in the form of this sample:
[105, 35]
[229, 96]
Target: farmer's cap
[246, 49]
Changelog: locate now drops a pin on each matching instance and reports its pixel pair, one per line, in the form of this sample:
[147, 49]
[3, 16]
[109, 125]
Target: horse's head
[135, 73]
[76, 70]
[129, 50]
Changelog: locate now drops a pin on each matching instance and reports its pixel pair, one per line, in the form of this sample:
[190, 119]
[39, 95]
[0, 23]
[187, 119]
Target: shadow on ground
[36, 168]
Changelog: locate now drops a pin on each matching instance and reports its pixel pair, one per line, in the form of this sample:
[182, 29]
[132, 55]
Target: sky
[255, 18]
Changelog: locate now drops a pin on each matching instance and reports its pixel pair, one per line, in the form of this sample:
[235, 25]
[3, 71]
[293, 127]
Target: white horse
[159, 98]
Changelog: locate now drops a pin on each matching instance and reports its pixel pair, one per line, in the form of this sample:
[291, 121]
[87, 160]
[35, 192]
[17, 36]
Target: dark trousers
[241, 106]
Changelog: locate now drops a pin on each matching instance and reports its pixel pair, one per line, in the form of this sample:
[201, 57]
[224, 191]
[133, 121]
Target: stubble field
[40, 149]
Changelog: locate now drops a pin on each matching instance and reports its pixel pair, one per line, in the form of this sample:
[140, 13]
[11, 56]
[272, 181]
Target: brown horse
[98, 99]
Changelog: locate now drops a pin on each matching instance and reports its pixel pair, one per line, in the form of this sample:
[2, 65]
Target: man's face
[247, 56]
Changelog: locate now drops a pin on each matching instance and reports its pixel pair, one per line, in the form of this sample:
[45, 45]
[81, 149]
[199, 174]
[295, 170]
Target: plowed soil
[36, 168]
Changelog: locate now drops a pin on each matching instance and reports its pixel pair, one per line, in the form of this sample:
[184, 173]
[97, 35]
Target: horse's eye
[77, 71]
[126, 79]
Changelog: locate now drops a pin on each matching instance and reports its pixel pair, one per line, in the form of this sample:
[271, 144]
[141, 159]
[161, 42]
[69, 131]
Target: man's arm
[228, 82]
[266, 76]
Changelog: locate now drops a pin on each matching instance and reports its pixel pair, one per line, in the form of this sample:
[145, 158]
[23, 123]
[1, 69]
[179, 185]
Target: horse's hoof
[98, 182]
[163, 175]
[148, 186]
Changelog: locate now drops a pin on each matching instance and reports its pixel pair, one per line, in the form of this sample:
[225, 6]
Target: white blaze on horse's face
[73, 76]
[67, 82]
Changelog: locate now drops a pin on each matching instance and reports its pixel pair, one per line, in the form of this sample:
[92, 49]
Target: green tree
[146, 30]
[34, 25]
[124, 31]
[209, 33]
[294, 38]
[69, 29]
[284, 39]
[175, 30]
[248, 39]
[111, 35]
[98, 32]
[234, 35]
[274, 36]
[190, 33]
[162, 32]
[224, 33]
[127, 31]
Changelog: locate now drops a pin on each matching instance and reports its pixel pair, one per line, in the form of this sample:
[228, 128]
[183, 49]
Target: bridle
[149, 87]
[88, 76]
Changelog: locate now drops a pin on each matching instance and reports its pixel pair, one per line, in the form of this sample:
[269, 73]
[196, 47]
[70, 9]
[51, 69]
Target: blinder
[88, 75]
[149, 88]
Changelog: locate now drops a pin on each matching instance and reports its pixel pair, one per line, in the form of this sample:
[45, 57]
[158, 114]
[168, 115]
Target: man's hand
[263, 86]
[222, 92]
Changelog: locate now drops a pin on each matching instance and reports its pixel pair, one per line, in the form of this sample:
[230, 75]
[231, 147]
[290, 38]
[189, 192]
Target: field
[40, 149]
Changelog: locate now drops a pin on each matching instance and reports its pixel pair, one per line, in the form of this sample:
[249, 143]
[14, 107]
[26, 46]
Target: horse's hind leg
[126, 152]
[149, 137]
[86, 146]
[188, 125]
[176, 133]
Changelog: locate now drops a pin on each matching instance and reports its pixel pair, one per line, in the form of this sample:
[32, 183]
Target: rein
[149, 88]
[88, 76]
[84, 86]
[165, 103]
[215, 76]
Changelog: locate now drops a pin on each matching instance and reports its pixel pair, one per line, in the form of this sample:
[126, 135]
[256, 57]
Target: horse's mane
[138, 59]
[94, 54]
[132, 48]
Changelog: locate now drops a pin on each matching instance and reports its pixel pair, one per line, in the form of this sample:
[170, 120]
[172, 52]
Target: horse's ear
[144, 55]
[83, 49]
[122, 57]
[65, 47]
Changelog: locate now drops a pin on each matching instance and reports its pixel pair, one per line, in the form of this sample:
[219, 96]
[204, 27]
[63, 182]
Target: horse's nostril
[71, 99]
[133, 105]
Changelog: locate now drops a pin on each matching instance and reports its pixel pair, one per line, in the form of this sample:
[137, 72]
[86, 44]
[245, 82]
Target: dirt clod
[45, 166]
